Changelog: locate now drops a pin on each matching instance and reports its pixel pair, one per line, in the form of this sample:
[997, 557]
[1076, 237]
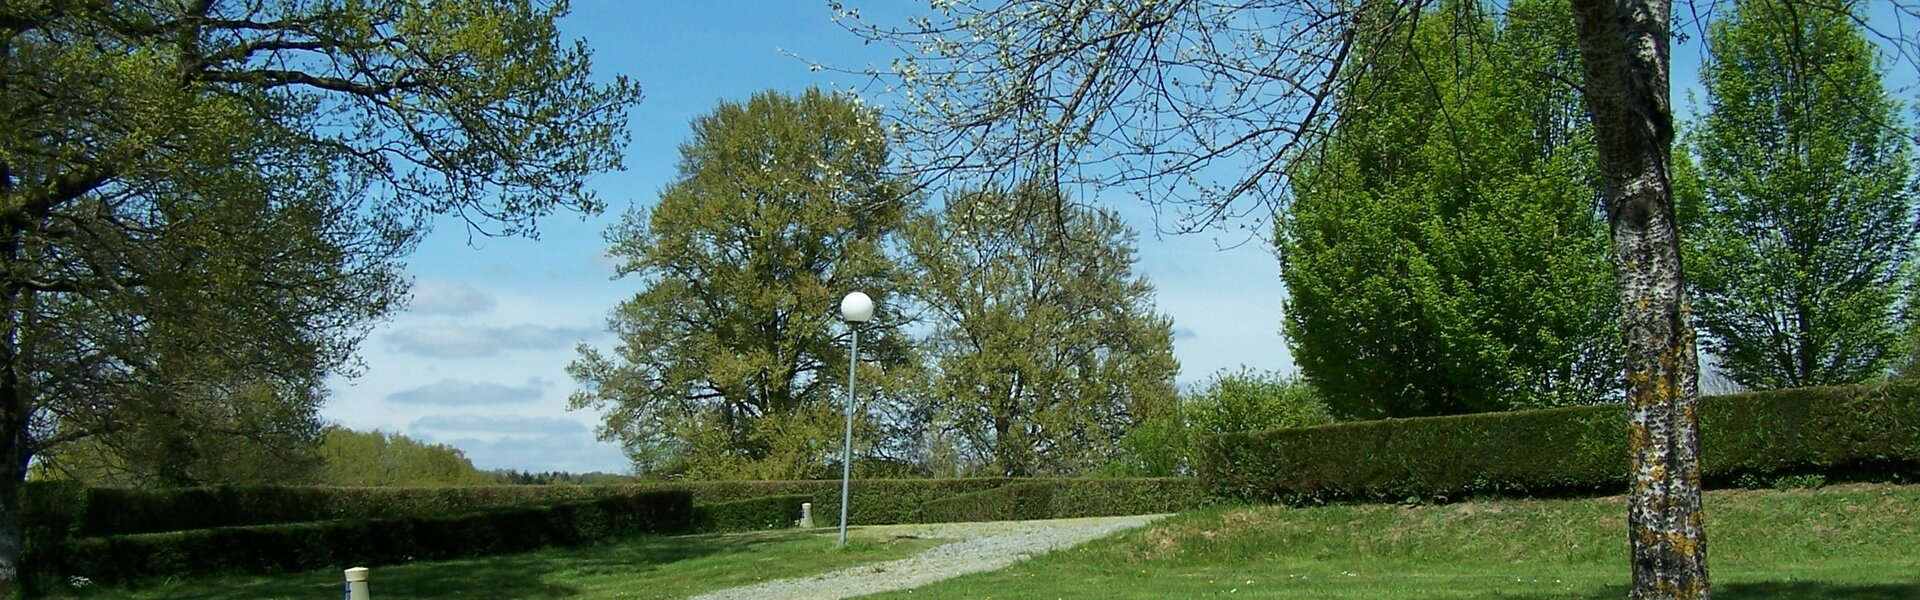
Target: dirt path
[981, 547]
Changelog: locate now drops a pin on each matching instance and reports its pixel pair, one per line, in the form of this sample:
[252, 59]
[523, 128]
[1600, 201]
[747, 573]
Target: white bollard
[357, 584]
[806, 515]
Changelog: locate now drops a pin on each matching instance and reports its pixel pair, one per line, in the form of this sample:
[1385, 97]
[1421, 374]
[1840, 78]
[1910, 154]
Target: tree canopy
[1046, 347]
[1441, 253]
[730, 357]
[1801, 243]
[377, 458]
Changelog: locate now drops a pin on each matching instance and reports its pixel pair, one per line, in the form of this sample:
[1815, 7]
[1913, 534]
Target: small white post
[806, 515]
[357, 584]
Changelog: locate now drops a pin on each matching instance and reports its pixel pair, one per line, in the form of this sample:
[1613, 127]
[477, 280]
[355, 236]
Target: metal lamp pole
[855, 309]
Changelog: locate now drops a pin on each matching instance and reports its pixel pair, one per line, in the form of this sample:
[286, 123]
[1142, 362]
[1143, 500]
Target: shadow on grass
[526, 575]
[1778, 590]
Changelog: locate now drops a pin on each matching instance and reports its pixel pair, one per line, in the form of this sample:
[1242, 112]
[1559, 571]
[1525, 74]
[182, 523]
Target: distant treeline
[514, 477]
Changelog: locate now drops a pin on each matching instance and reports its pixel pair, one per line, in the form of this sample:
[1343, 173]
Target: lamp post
[855, 309]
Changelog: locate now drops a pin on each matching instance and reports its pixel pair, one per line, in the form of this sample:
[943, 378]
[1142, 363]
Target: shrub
[367, 542]
[1249, 400]
[1230, 402]
[1069, 498]
[1841, 432]
[772, 512]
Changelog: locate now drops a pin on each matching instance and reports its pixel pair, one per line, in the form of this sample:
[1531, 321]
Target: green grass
[1846, 543]
[644, 567]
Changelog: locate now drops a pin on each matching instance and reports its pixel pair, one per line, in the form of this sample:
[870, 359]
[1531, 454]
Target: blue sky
[478, 359]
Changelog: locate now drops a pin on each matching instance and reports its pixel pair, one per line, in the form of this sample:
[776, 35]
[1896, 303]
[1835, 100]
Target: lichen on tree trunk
[1624, 51]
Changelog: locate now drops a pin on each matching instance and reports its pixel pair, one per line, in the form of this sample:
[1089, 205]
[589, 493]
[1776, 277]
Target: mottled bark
[1624, 48]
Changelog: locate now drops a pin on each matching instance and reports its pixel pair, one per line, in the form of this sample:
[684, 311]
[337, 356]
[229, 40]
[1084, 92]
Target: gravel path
[981, 547]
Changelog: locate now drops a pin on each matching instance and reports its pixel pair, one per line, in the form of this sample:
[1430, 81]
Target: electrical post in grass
[855, 309]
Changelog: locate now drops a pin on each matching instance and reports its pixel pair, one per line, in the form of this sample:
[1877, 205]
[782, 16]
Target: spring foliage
[1801, 244]
[1046, 347]
[731, 361]
[1442, 254]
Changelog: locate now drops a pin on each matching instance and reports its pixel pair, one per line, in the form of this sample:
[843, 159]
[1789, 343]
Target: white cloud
[448, 298]
[454, 392]
[452, 341]
[508, 425]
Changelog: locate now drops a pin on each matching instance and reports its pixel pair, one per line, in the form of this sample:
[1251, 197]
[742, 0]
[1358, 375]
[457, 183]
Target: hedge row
[772, 512]
[1850, 432]
[66, 510]
[56, 510]
[1068, 498]
[365, 542]
[59, 511]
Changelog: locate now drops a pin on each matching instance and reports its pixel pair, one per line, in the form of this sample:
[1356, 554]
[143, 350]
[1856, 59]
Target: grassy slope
[645, 567]
[1851, 542]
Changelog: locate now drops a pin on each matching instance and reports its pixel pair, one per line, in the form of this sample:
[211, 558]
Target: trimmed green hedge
[90, 512]
[1069, 498]
[772, 512]
[1849, 432]
[63, 510]
[70, 511]
[366, 542]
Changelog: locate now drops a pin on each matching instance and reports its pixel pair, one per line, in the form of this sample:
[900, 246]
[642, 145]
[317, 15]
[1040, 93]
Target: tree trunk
[14, 449]
[1623, 45]
[13, 473]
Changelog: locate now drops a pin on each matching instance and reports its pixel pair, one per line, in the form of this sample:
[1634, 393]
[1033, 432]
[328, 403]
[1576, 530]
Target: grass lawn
[1856, 542]
[644, 567]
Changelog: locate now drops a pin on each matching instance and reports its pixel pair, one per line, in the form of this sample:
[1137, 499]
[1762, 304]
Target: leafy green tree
[1249, 400]
[189, 190]
[731, 358]
[377, 458]
[1228, 402]
[1441, 253]
[265, 436]
[252, 302]
[1046, 346]
[1799, 252]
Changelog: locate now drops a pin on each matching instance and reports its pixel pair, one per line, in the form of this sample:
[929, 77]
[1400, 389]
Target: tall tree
[730, 357]
[1441, 253]
[155, 148]
[1202, 105]
[1808, 224]
[1046, 346]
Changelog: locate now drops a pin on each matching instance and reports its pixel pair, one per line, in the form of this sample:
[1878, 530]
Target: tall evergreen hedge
[1870, 431]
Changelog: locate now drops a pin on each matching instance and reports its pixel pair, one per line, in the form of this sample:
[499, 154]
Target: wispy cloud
[452, 341]
[448, 298]
[502, 425]
[1184, 334]
[455, 392]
